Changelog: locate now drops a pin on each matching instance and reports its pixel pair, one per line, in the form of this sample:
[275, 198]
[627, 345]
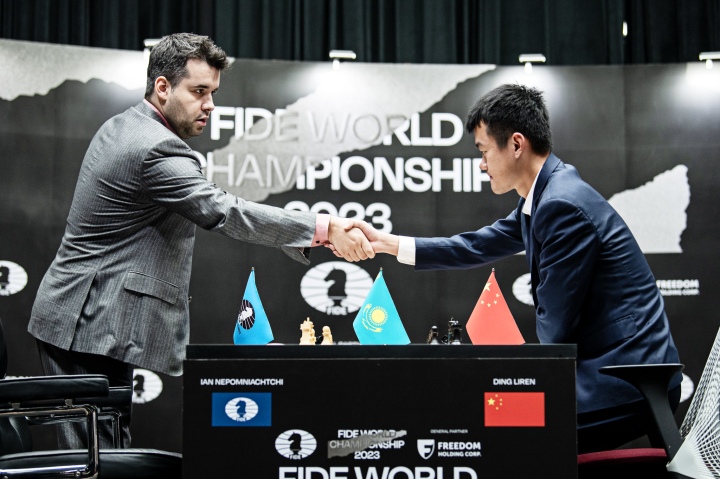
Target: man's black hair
[513, 108]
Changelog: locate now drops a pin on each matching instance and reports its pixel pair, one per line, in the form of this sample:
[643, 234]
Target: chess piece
[454, 332]
[327, 336]
[433, 336]
[308, 332]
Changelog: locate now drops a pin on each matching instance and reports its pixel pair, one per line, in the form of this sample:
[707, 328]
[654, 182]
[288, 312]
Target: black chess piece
[433, 336]
[454, 332]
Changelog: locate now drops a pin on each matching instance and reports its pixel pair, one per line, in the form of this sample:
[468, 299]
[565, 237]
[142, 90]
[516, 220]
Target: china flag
[504, 409]
[491, 322]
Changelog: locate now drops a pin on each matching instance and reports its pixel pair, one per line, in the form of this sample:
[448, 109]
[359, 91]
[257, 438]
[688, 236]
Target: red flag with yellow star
[491, 322]
[511, 409]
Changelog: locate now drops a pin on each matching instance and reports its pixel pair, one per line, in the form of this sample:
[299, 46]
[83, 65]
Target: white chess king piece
[308, 332]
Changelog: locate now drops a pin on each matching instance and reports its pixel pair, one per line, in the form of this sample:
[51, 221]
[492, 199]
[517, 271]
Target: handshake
[355, 240]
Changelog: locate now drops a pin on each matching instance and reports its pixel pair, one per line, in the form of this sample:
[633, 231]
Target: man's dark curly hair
[169, 58]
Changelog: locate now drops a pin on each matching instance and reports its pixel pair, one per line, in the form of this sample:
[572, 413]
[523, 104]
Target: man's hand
[347, 239]
[380, 242]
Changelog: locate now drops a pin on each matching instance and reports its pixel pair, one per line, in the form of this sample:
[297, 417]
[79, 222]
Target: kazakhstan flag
[252, 325]
[378, 321]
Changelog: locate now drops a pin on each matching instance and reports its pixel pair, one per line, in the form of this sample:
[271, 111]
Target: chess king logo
[373, 317]
[246, 317]
[295, 444]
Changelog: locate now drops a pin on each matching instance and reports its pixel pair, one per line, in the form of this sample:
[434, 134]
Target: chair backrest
[699, 455]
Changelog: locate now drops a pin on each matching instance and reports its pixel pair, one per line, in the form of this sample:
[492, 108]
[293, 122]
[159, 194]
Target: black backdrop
[568, 32]
[644, 136]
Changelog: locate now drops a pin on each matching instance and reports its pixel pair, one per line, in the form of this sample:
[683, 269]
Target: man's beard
[177, 117]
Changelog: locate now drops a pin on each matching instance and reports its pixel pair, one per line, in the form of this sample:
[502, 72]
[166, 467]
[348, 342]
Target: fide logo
[246, 317]
[426, 447]
[241, 409]
[236, 409]
[295, 444]
[522, 290]
[336, 288]
[146, 386]
[13, 278]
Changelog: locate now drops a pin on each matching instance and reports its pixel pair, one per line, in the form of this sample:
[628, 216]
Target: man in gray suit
[116, 295]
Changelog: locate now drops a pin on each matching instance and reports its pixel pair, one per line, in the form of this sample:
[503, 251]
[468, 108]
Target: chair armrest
[42, 388]
[118, 397]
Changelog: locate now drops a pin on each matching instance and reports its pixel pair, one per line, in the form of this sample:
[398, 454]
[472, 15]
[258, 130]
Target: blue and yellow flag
[252, 325]
[378, 321]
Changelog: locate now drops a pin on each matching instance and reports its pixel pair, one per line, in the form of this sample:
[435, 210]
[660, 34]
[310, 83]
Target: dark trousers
[56, 361]
[610, 428]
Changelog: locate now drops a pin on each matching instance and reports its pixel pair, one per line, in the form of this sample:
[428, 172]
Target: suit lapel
[530, 253]
[531, 249]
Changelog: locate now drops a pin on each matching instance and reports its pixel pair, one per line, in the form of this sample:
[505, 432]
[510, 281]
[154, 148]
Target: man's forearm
[386, 243]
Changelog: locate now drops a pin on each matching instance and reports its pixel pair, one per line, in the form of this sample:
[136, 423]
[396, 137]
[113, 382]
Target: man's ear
[162, 88]
[518, 143]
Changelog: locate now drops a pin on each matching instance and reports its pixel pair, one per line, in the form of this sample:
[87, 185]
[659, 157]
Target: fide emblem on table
[453, 337]
[295, 444]
[241, 409]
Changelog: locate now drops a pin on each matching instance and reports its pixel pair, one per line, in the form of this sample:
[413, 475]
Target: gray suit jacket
[119, 283]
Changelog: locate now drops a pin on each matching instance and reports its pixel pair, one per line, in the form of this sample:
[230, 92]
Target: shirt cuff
[322, 222]
[406, 250]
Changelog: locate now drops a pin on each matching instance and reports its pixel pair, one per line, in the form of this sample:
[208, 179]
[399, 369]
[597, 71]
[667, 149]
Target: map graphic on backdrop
[384, 143]
[655, 212]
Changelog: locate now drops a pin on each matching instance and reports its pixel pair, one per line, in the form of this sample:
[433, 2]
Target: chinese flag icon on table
[510, 409]
[491, 322]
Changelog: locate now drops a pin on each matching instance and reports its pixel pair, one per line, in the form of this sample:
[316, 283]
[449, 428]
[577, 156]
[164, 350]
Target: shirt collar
[162, 117]
[527, 207]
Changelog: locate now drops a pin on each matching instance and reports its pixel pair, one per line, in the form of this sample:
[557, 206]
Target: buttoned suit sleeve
[472, 249]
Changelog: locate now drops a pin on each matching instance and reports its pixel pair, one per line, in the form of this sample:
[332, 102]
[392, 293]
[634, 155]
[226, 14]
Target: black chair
[652, 380]
[693, 451]
[50, 399]
[109, 407]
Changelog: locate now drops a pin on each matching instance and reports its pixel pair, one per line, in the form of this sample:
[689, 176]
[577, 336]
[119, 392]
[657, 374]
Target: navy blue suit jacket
[591, 283]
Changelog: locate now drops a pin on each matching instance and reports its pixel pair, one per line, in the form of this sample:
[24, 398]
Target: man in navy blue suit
[591, 284]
